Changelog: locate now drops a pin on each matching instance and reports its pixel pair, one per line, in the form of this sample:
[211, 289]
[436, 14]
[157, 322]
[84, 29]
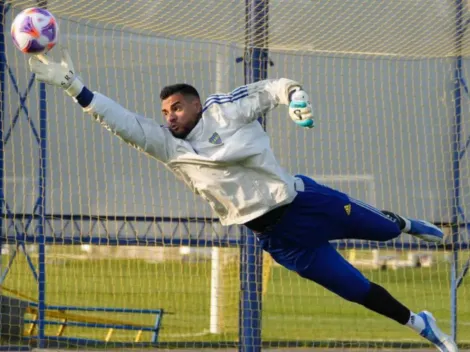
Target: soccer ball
[34, 31]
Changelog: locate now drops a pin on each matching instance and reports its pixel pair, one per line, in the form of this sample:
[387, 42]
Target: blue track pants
[318, 214]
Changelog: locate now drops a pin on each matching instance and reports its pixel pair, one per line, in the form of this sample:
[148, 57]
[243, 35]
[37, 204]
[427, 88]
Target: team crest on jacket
[215, 138]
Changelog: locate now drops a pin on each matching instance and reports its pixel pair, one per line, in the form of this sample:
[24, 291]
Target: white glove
[59, 74]
[300, 109]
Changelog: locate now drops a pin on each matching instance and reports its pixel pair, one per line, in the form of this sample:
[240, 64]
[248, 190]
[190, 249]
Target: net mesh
[124, 233]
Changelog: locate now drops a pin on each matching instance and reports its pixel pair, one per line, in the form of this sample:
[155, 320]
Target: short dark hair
[182, 88]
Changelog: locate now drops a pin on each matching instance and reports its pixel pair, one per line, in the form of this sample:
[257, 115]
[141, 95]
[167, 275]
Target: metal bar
[28, 118]
[138, 336]
[3, 11]
[62, 327]
[251, 287]
[157, 325]
[10, 263]
[464, 149]
[110, 334]
[129, 242]
[88, 343]
[6, 216]
[456, 148]
[463, 83]
[35, 209]
[85, 217]
[155, 219]
[23, 98]
[251, 294]
[102, 309]
[30, 262]
[95, 325]
[172, 242]
[42, 211]
[31, 329]
[464, 272]
[464, 220]
[251, 265]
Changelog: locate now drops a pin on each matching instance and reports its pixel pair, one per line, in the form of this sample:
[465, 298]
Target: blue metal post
[256, 61]
[42, 209]
[2, 119]
[251, 293]
[456, 148]
[42, 215]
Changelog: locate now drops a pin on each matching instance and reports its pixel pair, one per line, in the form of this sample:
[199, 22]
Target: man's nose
[171, 117]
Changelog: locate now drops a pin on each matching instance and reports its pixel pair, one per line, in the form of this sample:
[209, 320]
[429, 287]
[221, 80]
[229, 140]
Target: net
[125, 239]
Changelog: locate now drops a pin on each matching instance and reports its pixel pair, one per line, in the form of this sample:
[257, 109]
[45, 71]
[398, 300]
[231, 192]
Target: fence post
[251, 271]
[2, 120]
[41, 202]
[456, 146]
[42, 215]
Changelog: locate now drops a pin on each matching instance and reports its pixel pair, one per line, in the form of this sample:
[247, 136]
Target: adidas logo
[347, 208]
[391, 218]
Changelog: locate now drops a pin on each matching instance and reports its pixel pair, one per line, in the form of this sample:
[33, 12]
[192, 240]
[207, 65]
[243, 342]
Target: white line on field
[316, 318]
[189, 334]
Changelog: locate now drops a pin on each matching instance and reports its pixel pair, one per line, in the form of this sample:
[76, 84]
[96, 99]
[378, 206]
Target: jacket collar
[197, 131]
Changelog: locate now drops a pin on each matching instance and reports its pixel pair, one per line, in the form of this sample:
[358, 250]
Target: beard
[183, 131]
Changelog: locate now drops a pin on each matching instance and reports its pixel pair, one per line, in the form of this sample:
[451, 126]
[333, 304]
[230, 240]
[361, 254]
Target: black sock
[380, 301]
[396, 218]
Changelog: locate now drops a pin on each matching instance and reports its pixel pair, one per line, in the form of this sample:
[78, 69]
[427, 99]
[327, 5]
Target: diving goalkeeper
[222, 153]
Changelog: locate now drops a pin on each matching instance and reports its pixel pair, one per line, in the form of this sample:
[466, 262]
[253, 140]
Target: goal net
[125, 239]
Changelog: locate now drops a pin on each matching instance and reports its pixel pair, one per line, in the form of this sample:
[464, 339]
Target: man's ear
[198, 105]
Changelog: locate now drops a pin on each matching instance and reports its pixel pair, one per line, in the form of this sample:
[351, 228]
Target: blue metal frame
[121, 230]
[140, 231]
[40, 206]
[458, 152]
[20, 245]
[136, 231]
[251, 264]
[3, 10]
[121, 326]
[42, 211]
[251, 261]
[71, 342]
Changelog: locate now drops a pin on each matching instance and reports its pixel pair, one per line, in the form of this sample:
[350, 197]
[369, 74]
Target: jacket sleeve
[253, 100]
[142, 133]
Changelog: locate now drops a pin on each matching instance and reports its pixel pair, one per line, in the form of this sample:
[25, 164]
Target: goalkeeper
[222, 153]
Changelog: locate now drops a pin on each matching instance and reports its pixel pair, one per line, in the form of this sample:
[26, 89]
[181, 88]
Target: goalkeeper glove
[300, 109]
[59, 74]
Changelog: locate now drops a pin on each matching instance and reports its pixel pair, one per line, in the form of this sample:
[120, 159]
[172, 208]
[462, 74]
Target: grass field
[293, 308]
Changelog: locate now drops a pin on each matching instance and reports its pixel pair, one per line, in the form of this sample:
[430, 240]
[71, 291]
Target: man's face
[181, 113]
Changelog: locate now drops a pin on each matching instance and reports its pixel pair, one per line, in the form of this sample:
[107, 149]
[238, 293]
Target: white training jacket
[226, 158]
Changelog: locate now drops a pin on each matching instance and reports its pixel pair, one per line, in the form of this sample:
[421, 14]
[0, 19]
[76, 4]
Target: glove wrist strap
[75, 88]
[292, 91]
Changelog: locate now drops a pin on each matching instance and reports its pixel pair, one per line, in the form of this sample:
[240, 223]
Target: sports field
[293, 309]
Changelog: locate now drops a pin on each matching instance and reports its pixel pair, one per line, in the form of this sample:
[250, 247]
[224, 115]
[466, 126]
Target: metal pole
[42, 213]
[456, 142]
[2, 120]
[256, 61]
[251, 281]
[42, 210]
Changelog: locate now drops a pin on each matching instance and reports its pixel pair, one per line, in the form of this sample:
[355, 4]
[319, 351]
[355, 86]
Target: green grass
[293, 308]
